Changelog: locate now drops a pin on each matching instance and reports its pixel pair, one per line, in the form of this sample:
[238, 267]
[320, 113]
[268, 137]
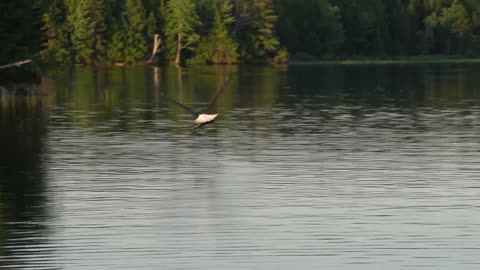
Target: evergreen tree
[358, 19]
[55, 32]
[116, 47]
[182, 24]
[382, 36]
[255, 29]
[91, 31]
[80, 30]
[85, 21]
[97, 14]
[116, 32]
[219, 47]
[313, 27]
[136, 26]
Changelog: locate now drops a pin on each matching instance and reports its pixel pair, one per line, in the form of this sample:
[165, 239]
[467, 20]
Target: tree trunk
[179, 49]
[156, 44]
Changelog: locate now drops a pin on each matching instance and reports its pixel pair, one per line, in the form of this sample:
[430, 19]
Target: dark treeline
[380, 27]
[236, 31]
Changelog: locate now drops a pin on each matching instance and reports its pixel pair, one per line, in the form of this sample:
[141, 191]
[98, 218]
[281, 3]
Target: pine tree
[313, 27]
[75, 31]
[359, 24]
[116, 47]
[91, 31]
[55, 36]
[219, 47]
[136, 43]
[81, 30]
[255, 29]
[182, 24]
[97, 14]
[116, 32]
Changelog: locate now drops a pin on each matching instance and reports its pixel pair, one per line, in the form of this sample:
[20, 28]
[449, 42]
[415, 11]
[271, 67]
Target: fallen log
[16, 64]
[20, 72]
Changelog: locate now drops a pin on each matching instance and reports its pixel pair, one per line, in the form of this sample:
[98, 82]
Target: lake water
[306, 167]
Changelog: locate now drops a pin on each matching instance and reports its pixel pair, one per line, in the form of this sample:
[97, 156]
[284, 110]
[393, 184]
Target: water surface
[307, 167]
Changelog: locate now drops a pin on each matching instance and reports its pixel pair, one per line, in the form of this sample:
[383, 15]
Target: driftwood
[16, 64]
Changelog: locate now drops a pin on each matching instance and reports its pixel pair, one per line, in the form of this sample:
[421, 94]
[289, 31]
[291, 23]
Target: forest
[235, 31]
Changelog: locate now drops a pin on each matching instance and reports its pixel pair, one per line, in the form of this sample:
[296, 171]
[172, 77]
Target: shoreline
[295, 62]
[392, 60]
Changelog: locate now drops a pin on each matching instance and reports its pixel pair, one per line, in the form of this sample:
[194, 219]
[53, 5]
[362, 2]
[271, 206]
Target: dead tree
[155, 49]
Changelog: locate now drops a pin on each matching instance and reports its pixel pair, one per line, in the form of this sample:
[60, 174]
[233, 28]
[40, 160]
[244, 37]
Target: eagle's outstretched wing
[213, 100]
[195, 114]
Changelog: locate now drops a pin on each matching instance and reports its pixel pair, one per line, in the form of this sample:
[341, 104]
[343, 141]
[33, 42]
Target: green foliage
[313, 27]
[452, 26]
[456, 20]
[281, 57]
[136, 27]
[255, 29]
[236, 31]
[366, 27]
[55, 32]
[219, 47]
[75, 31]
[97, 14]
[131, 34]
[116, 48]
[182, 23]
[81, 29]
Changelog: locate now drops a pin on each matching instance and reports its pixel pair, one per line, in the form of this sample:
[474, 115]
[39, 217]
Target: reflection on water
[317, 167]
[23, 211]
